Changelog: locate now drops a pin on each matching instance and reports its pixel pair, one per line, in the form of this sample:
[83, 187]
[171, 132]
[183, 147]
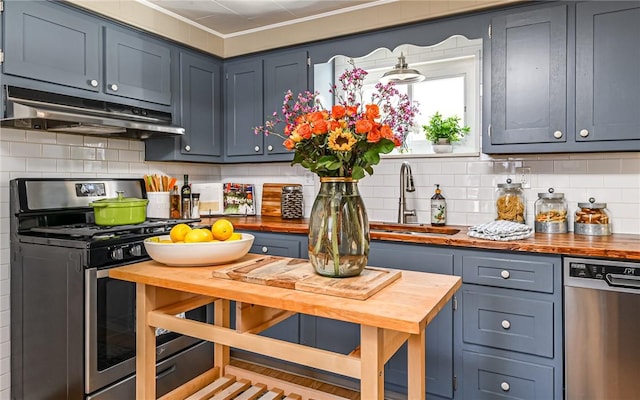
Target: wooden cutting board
[297, 274]
[271, 199]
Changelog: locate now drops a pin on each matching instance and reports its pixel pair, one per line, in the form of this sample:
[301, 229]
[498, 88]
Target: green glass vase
[338, 229]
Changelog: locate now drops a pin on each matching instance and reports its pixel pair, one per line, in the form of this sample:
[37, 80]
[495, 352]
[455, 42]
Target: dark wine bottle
[185, 193]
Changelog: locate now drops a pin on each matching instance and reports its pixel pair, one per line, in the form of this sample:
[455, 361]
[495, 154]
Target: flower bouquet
[341, 145]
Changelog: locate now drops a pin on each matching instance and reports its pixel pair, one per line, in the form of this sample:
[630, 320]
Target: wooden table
[397, 314]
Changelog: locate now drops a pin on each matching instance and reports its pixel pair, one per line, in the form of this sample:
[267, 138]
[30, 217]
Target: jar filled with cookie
[551, 213]
[592, 219]
[510, 203]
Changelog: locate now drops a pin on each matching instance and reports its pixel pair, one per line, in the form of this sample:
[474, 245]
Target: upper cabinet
[49, 43]
[535, 58]
[254, 89]
[199, 113]
[608, 72]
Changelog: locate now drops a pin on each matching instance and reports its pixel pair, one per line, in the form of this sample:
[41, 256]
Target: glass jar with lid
[592, 219]
[510, 203]
[551, 213]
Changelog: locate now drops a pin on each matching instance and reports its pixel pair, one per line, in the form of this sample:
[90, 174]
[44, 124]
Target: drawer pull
[256, 149]
[584, 133]
[557, 134]
[505, 274]
[506, 324]
[505, 386]
[265, 249]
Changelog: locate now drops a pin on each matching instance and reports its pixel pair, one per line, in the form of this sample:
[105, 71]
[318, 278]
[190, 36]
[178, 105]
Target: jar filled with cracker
[551, 213]
[510, 203]
[592, 219]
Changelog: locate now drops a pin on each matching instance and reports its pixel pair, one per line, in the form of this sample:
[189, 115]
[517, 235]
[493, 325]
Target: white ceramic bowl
[197, 254]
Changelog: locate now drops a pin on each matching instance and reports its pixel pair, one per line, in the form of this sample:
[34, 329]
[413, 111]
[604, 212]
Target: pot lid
[592, 204]
[120, 201]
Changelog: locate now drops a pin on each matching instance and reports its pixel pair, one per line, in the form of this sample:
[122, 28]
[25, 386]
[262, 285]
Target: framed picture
[239, 199]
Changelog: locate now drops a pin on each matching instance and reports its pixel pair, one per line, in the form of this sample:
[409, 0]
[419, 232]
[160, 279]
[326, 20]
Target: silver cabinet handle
[505, 386]
[557, 134]
[256, 149]
[113, 87]
[506, 324]
[265, 249]
[584, 132]
[93, 83]
[270, 148]
[187, 148]
[505, 274]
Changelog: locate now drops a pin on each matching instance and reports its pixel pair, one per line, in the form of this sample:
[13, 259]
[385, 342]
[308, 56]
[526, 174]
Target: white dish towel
[500, 230]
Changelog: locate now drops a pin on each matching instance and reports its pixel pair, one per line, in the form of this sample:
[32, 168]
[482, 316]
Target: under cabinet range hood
[33, 109]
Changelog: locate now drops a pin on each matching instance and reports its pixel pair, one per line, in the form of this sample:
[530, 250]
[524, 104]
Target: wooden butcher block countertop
[623, 246]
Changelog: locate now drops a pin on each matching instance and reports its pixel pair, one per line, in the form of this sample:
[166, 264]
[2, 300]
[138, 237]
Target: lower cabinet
[510, 322]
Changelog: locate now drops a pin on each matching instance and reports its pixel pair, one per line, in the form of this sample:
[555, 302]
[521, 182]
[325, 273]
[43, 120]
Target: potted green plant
[442, 132]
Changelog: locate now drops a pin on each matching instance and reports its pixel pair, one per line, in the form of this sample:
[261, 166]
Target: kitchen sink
[412, 229]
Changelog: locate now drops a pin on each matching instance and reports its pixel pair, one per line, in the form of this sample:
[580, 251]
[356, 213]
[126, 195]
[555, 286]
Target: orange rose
[372, 111]
[386, 132]
[363, 126]
[289, 144]
[373, 136]
[352, 111]
[333, 125]
[320, 127]
[304, 131]
[338, 111]
[315, 116]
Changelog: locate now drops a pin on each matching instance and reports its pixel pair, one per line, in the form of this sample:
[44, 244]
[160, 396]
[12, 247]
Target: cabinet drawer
[526, 274]
[490, 377]
[508, 322]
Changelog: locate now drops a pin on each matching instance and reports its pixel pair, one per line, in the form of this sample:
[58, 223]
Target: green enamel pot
[120, 210]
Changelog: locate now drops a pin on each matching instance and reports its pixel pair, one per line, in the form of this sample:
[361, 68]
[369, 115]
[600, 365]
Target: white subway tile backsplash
[95, 166]
[570, 166]
[604, 166]
[40, 137]
[25, 149]
[41, 164]
[12, 164]
[129, 156]
[69, 165]
[120, 144]
[56, 151]
[630, 166]
[5, 149]
[71, 140]
[95, 141]
[12, 135]
[83, 153]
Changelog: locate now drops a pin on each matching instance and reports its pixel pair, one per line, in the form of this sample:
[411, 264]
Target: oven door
[110, 330]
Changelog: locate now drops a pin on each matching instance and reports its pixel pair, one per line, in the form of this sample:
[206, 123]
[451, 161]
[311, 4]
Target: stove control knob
[117, 254]
[136, 250]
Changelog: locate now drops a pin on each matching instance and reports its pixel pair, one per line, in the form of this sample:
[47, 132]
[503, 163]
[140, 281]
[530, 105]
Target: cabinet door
[243, 108]
[528, 77]
[282, 73]
[200, 97]
[52, 44]
[607, 71]
[137, 67]
[277, 244]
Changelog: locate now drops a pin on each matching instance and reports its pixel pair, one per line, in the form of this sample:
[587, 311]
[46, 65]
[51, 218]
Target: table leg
[371, 363]
[416, 368]
[221, 318]
[145, 343]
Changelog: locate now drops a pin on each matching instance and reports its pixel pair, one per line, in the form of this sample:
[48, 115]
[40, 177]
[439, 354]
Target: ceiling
[229, 18]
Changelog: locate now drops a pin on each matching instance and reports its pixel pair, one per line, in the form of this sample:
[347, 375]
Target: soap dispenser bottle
[438, 208]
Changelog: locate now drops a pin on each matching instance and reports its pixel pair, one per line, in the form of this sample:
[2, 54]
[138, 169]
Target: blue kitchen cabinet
[345, 337]
[608, 74]
[50, 43]
[199, 112]
[563, 78]
[255, 88]
[52, 47]
[509, 327]
[528, 77]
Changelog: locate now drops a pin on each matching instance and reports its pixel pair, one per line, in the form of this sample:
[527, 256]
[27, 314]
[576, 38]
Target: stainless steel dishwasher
[602, 329]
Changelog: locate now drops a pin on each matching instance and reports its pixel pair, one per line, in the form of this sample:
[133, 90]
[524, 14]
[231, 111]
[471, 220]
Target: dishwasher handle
[620, 280]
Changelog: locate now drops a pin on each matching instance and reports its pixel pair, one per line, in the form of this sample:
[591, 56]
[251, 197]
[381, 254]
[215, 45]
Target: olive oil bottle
[185, 193]
[438, 208]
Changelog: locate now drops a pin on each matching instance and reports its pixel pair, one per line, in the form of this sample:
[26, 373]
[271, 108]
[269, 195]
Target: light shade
[402, 74]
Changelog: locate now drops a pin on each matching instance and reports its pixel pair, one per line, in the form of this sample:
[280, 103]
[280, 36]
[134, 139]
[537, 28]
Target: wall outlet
[523, 176]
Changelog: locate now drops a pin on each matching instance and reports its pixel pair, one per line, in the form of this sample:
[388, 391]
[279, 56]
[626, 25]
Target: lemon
[235, 236]
[178, 232]
[165, 241]
[197, 236]
[222, 229]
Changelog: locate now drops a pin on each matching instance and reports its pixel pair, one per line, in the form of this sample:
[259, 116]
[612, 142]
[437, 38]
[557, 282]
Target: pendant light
[402, 74]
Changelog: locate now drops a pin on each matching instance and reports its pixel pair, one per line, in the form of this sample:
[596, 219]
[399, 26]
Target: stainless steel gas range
[72, 327]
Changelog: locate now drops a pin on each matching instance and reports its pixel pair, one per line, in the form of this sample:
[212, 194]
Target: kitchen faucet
[406, 185]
